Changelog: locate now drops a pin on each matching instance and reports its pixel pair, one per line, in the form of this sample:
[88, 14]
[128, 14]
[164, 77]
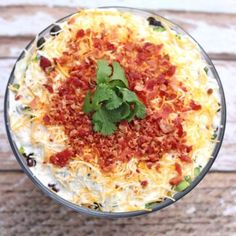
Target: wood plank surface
[225, 160]
[208, 210]
[228, 6]
[21, 23]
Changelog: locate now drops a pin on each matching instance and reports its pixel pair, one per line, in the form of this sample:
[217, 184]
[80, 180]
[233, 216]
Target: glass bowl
[158, 206]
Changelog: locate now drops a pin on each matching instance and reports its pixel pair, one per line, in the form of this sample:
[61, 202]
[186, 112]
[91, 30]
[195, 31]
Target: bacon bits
[185, 158]
[176, 180]
[80, 33]
[195, 106]
[49, 88]
[46, 120]
[45, 63]
[149, 72]
[144, 183]
[209, 91]
[61, 158]
[178, 168]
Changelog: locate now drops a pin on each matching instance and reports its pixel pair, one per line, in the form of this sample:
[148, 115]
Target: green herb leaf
[124, 110]
[118, 74]
[117, 83]
[105, 126]
[140, 110]
[128, 96]
[102, 93]
[114, 101]
[103, 71]
[87, 106]
[119, 114]
[97, 126]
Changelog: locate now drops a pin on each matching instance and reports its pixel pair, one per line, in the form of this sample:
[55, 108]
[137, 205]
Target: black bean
[28, 155]
[40, 43]
[96, 206]
[55, 30]
[53, 187]
[154, 22]
[31, 162]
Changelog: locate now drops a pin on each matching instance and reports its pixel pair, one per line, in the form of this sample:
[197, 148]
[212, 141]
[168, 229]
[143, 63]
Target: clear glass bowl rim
[95, 213]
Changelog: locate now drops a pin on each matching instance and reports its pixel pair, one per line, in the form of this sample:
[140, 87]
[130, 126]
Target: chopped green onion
[182, 186]
[178, 36]
[21, 150]
[188, 178]
[16, 86]
[37, 58]
[197, 171]
[159, 29]
[214, 136]
[206, 69]
[150, 205]
[26, 108]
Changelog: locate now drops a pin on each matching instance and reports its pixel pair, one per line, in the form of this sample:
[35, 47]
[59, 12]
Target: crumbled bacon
[61, 158]
[178, 168]
[185, 158]
[80, 33]
[176, 180]
[149, 74]
[46, 120]
[144, 183]
[44, 63]
[18, 97]
[49, 88]
[195, 106]
[209, 91]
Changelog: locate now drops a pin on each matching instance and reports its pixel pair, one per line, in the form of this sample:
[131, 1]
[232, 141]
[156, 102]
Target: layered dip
[114, 111]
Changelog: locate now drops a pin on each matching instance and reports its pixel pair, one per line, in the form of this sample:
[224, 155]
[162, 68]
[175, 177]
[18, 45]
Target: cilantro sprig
[112, 101]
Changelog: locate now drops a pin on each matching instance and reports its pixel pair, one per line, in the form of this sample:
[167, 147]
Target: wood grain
[21, 23]
[208, 208]
[228, 6]
[225, 161]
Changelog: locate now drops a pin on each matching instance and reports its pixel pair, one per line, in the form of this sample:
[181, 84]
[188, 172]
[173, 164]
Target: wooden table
[210, 209]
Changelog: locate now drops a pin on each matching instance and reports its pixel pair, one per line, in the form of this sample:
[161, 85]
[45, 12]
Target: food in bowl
[114, 111]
